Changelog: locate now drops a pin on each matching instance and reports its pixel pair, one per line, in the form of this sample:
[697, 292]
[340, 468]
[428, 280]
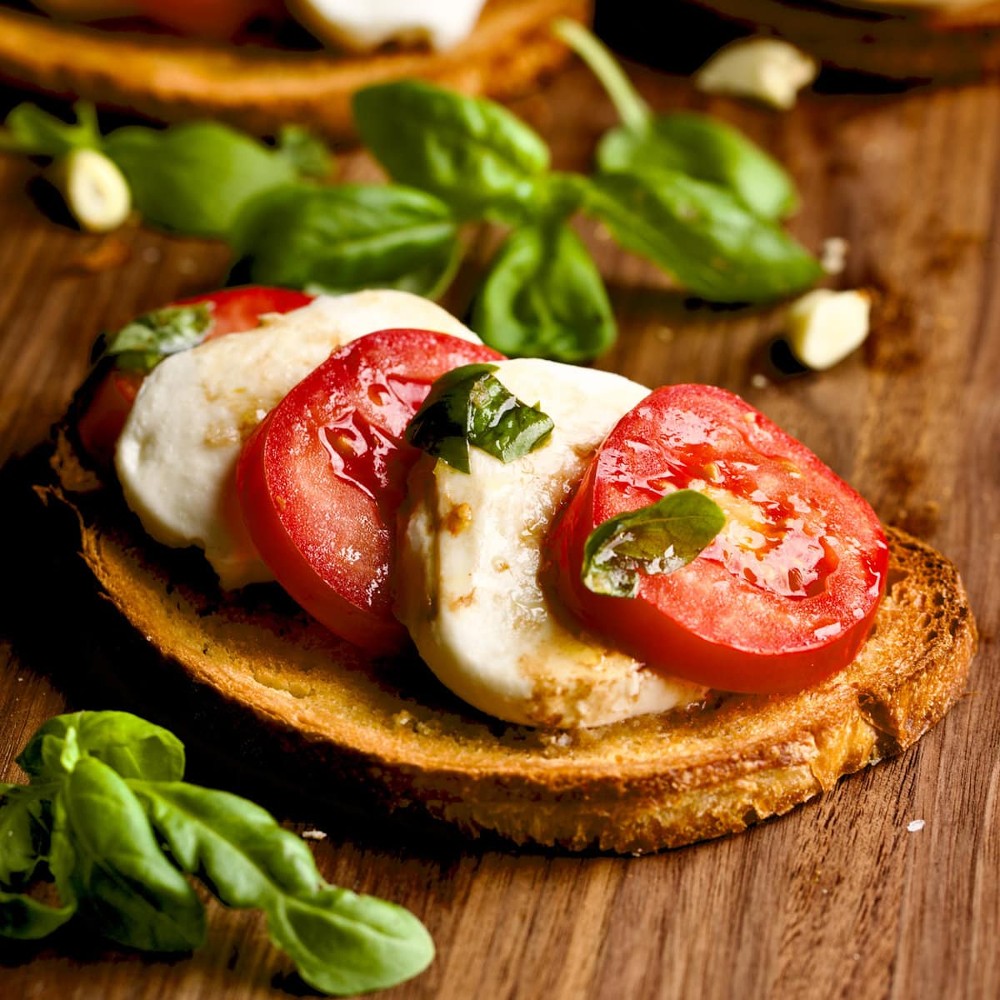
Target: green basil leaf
[34, 132]
[232, 843]
[660, 538]
[341, 943]
[345, 943]
[702, 235]
[348, 237]
[26, 919]
[24, 832]
[307, 153]
[473, 154]
[470, 406]
[693, 144]
[194, 178]
[143, 343]
[544, 297]
[707, 149]
[131, 746]
[125, 886]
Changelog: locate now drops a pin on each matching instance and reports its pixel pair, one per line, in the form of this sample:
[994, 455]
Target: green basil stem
[634, 112]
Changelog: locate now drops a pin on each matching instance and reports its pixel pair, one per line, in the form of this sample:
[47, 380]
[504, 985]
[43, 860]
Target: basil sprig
[108, 817]
[657, 539]
[689, 193]
[144, 342]
[693, 144]
[471, 406]
[191, 178]
[702, 205]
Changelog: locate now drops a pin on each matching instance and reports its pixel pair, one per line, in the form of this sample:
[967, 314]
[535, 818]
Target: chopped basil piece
[469, 405]
[660, 538]
[142, 344]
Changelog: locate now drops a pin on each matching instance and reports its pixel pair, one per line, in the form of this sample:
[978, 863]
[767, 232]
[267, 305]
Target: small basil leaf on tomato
[142, 344]
[472, 153]
[544, 298]
[471, 406]
[348, 237]
[657, 539]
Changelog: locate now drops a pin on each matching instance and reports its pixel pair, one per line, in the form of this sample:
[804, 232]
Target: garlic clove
[824, 326]
[95, 190]
[768, 70]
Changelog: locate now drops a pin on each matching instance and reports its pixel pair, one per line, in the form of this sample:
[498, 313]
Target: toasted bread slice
[636, 786]
[261, 89]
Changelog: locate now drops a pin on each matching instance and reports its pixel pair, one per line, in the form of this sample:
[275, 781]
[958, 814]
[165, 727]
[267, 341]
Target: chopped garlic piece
[766, 69]
[823, 326]
[95, 190]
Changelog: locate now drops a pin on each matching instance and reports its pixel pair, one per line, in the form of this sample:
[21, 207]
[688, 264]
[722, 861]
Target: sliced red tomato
[321, 478]
[233, 310]
[237, 309]
[785, 594]
[217, 20]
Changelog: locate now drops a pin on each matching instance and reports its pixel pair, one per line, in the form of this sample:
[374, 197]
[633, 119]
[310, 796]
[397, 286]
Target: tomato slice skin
[238, 309]
[109, 402]
[784, 596]
[217, 20]
[321, 478]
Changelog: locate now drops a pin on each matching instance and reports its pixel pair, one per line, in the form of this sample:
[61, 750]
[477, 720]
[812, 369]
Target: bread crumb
[313, 835]
[833, 255]
[915, 825]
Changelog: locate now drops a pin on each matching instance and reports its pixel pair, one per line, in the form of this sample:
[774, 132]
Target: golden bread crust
[633, 787]
[258, 89]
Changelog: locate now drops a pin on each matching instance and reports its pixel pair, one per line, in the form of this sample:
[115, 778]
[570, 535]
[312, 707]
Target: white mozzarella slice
[362, 27]
[471, 565]
[177, 454]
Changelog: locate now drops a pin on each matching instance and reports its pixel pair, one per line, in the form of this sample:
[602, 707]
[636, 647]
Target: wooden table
[839, 898]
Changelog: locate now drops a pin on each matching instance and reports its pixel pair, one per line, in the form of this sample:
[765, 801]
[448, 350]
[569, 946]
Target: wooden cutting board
[885, 887]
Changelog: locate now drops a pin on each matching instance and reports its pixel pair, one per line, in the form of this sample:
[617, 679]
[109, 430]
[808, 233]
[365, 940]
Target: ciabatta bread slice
[636, 786]
[262, 89]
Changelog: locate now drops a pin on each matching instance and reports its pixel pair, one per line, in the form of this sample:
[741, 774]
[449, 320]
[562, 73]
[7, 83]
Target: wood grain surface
[837, 899]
